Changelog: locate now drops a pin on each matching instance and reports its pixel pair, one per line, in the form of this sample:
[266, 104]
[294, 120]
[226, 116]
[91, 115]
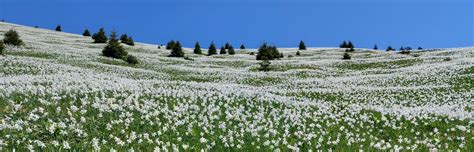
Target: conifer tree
[58, 28]
[177, 50]
[123, 38]
[375, 47]
[86, 33]
[346, 56]
[197, 48]
[266, 52]
[302, 46]
[212, 49]
[130, 41]
[227, 45]
[298, 53]
[343, 45]
[100, 36]
[222, 50]
[170, 45]
[231, 50]
[114, 49]
[350, 45]
[132, 59]
[242, 47]
[389, 48]
[420, 48]
[11, 37]
[402, 48]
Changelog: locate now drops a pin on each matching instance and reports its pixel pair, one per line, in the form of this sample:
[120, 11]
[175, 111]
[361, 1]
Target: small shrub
[416, 55]
[212, 49]
[100, 36]
[375, 47]
[298, 53]
[231, 50]
[405, 52]
[389, 48]
[127, 40]
[188, 58]
[290, 56]
[252, 53]
[448, 59]
[350, 50]
[58, 28]
[223, 50]
[177, 50]
[12, 38]
[170, 45]
[242, 47]
[346, 56]
[132, 60]
[265, 66]
[302, 46]
[86, 33]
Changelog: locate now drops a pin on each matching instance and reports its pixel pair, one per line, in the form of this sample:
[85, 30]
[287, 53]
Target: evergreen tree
[346, 56]
[350, 45]
[264, 66]
[11, 37]
[389, 48]
[420, 48]
[197, 48]
[298, 53]
[123, 38]
[343, 45]
[100, 36]
[2, 47]
[86, 33]
[402, 48]
[266, 52]
[223, 50]
[177, 50]
[132, 60]
[231, 50]
[130, 41]
[114, 49]
[170, 45]
[227, 45]
[58, 28]
[281, 55]
[302, 46]
[375, 47]
[242, 47]
[212, 49]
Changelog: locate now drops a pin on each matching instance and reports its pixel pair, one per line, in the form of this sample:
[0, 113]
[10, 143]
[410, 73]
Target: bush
[242, 47]
[58, 28]
[290, 56]
[212, 49]
[346, 56]
[350, 45]
[389, 48]
[375, 47]
[350, 50]
[197, 48]
[12, 38]
[2, 47]
[347, 45]
[100, 36]
[298, 53]
[132, 59]
[266, 52]
[405, 51]
[170, 45]
[252, 53]
[86, 33]
[420, 48]
[222, 51]
[188, 58]
[231, 50]
[114, 49]
[448, 59]
[127, 40]
[302, 46]
[177, 50]
[264, 66]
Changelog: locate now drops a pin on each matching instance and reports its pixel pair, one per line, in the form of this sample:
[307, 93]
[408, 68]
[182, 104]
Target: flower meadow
[58, 93]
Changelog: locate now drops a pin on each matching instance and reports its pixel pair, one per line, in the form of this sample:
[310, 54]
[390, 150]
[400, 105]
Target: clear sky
[320, 23]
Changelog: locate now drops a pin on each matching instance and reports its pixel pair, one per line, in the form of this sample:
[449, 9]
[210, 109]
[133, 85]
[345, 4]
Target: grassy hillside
[57, 92]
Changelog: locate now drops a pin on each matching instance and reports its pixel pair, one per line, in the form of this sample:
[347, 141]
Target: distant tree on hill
[350, 45]
[389, 48]
[346, 56]
[402, 48]
[227, 45]
[11, 37]
[343, 44]
[132, 59]
[123, 38]
[298, 53]
[223, 50]
[302, 46]
[264, 66]
[86, 33]
[350, 50]
[170, 45]
[197, 48]
[177, 50]
[242, 47]
[420, 48]
[231, 50]
[212, 49]
[127, 40]
[58, 28]
[2, 47]
[100, 36]
[375, 47]
[266, 52]
[113, 48]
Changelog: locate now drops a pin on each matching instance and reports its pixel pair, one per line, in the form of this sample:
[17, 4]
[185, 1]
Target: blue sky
[320, 23]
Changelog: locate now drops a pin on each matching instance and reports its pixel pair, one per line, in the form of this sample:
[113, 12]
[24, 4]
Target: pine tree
[402, 48]
[12, 38]
[223, 50]
[346, 56]
[86, 33]
[100, 36]
[389, 48]
[123, 38]
[2, 47]
[177, 50]
[212, 49]
[302, 46]
[58, 28]
[227, 45]
[197, 48]
[264, 66]
[420, 48]
[170, 45]
[242, 47]
[266, 52]
[350, 45]
[343, 45]
[130, 41]
[231, 50]
[114, 49]
[375, 47]
[298, 53]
